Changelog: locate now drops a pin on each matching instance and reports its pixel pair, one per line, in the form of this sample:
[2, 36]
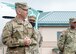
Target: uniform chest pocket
[18, 31]
[70, 37]
[30, 32]
[18, 28]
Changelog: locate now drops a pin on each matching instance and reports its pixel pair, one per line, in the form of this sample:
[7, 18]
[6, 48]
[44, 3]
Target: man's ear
[18, 10]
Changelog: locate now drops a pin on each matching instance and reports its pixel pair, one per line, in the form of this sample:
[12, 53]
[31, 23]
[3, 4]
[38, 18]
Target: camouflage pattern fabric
[67, 41]
[13, 35]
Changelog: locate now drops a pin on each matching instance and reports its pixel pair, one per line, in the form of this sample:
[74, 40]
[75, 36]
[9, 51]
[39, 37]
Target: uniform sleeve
[61, 41]
[7, 38]
[40, 39]
[34, 38]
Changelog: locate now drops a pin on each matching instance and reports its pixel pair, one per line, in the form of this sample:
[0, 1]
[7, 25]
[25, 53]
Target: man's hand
[27, 41]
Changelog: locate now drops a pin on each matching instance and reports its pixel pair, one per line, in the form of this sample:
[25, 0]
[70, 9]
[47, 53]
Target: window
[58, 34]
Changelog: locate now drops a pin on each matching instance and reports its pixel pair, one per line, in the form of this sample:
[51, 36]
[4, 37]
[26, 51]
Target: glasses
[25, 9]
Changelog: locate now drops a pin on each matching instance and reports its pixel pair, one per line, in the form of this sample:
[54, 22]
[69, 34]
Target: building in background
[50, 25]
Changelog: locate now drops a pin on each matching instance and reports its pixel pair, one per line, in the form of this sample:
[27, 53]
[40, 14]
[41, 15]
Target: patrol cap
[33, 18]
[72, 19]
[21, 5]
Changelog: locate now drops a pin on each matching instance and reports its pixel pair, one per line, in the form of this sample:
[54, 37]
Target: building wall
[49, 38]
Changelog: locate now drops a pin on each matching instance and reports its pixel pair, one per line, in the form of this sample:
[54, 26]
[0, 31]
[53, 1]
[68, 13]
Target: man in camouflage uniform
[18, 34]
[67, 41]
[32, 20]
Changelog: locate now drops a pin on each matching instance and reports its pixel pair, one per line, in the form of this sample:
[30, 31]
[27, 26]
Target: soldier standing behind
[32, 20]
[18, 34]
[67, 41]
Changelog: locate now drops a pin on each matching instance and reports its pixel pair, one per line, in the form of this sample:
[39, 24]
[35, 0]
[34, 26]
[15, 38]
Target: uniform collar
[72, 30]
[21, 22]
[18, 20]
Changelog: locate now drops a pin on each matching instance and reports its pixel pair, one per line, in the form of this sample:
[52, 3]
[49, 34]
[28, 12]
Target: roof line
[53, 24]
[45, 15]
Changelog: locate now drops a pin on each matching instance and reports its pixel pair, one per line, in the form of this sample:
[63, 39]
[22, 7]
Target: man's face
[32, 22]
[73, 24]
[24, 12]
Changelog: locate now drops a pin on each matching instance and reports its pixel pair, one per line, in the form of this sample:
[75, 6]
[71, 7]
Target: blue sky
[49, 5]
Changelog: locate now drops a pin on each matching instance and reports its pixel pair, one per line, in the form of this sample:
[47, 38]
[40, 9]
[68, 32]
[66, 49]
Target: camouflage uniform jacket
[67, 41]
[13, 34]
[39, 37]
[39, 40]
